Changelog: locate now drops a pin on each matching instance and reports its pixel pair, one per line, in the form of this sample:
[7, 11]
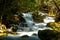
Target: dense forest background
[11, 7]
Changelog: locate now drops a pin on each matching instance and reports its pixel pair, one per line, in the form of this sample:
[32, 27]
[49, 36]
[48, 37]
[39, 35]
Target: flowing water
[30, 30]
[29, 19]
[32, 26]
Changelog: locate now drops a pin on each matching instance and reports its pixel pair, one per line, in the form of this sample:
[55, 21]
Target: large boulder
[48, 35]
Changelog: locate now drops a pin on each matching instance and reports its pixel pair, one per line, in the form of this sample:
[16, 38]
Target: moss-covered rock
[54, 25]
[3, 34]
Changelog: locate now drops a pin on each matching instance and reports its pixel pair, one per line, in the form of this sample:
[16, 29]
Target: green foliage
[27, 5]
[8, 7]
